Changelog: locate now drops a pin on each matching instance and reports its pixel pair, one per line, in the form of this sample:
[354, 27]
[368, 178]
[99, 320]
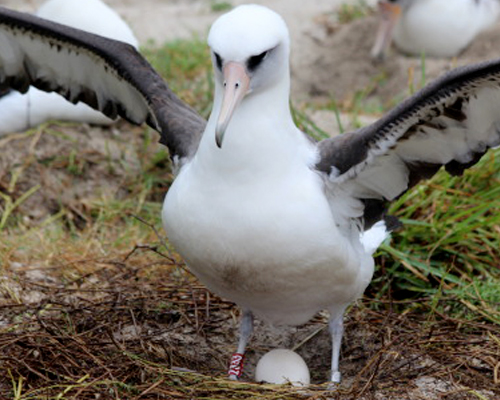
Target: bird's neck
[261, 136]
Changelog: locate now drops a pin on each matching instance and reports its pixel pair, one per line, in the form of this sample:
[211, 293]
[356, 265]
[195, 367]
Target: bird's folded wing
[451, 122]
[108, 75]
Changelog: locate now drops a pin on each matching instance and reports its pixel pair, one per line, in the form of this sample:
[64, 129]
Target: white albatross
[438, 28]
[19, 112]
[261, 213]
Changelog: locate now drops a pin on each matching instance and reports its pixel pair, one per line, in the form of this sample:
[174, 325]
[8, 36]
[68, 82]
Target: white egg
[282, 366]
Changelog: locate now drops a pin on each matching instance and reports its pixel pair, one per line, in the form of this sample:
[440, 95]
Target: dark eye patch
[254, 61]
[218, 60]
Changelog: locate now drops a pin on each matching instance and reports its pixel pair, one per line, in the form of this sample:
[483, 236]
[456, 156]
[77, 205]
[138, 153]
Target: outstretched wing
[452, 122]
[108, 75]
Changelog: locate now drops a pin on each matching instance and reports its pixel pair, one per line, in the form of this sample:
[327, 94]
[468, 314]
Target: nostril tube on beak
[236, 85]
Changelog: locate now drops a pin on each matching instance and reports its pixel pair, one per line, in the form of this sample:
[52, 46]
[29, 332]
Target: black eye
[218, 61]
[254, 61]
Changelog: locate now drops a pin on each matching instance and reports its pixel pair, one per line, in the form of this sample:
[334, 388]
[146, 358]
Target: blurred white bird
[19, 112]
[438, 28]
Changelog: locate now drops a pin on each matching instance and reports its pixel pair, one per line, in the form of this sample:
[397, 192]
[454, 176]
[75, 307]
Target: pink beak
[236, 85]
[389, 15]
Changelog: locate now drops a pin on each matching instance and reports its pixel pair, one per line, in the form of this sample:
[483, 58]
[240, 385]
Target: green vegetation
[220, 6]
[350, 12]
[448, 248]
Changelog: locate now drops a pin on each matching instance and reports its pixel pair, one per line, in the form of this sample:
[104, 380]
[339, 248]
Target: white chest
[270, 246]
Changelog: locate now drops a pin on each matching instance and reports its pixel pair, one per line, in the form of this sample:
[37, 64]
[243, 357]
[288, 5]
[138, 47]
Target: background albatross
[438, 28]
[261, 213]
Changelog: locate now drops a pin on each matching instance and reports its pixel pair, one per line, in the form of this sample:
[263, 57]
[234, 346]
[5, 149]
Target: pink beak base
[236, 85]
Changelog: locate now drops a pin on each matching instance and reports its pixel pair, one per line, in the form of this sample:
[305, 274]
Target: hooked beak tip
[218, 141]
[219, 134]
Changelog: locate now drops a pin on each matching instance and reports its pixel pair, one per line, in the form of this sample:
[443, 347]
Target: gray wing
[451, 122]
[108, 75]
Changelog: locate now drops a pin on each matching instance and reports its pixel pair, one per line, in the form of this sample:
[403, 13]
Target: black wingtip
[392, 223]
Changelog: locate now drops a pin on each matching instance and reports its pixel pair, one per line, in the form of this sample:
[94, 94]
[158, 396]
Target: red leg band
[236, 364]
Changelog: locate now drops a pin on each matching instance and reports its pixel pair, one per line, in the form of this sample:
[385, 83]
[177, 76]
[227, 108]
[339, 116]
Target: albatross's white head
[250, 49]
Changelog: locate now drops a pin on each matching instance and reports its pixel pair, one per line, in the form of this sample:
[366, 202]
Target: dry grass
[136, 325]
[92, 305]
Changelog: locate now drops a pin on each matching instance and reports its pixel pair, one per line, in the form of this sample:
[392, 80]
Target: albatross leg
[336, 327]
[246, 329]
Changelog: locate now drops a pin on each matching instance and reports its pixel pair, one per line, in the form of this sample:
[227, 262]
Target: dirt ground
[113, 307]
[128, 319]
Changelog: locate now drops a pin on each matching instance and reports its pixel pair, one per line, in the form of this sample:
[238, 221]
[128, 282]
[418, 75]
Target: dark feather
[148, 98]
[440, 116]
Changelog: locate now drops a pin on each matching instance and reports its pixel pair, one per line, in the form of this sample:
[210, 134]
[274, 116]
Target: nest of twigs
[141, 327]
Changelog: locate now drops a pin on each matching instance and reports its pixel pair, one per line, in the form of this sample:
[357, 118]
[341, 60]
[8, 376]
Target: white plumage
[241, 215]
